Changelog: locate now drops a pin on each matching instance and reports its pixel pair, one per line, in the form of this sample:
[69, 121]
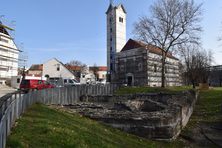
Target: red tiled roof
[36, 67]
[132, 44]
[73, 68]
[100, 68]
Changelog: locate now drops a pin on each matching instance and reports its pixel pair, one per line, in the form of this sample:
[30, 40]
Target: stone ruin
[156, 116]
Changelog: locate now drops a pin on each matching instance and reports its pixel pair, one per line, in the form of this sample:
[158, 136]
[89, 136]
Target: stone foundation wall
[156, 116]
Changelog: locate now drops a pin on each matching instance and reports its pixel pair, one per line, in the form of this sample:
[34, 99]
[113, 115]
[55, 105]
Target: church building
[116, 36]
[133, 62]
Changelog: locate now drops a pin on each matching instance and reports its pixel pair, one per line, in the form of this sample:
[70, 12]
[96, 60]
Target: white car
[70, 82]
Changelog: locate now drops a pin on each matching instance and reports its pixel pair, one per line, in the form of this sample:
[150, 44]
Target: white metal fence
[14, 104]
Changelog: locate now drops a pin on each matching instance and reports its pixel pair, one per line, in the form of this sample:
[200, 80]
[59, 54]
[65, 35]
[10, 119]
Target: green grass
[207, 112]
[43, 127]
[207, 109]
[133, 90]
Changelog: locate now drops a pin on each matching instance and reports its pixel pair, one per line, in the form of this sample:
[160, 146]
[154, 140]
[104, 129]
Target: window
[111, 30]
[111, 48]
[58, 67]
[111, 67]
[110, 20]
[111, 38]
[121, 19]
[18, 80]
[65, 81]
[70, 81]
[166, 70]
[155, 68]
[122, 68]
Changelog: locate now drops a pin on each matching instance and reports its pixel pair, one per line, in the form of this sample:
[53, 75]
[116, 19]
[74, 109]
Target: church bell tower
[116, 36]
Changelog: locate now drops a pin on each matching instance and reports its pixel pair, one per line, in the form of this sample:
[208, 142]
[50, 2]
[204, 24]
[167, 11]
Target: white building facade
[116, 36]
[56, 69]
[9, 55]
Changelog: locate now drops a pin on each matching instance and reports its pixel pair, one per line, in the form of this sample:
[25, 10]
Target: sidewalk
[5, 90]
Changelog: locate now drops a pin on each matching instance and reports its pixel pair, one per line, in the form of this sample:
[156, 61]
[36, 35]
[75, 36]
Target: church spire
[111, 2]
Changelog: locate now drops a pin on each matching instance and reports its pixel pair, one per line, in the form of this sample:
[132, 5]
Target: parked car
[27, 85]
[76, 82]
[70, 82]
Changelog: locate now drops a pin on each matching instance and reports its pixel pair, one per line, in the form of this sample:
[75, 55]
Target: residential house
[56, 69]
[35, 70]
[76, 70]
[101, 72]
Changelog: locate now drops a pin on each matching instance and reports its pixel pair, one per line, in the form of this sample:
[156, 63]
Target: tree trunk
[193, 86]
[163, 71]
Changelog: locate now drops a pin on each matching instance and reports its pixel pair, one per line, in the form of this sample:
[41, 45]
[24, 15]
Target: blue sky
[76, 29]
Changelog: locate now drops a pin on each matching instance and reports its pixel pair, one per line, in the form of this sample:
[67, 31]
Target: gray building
[140, 64]
[215, 77]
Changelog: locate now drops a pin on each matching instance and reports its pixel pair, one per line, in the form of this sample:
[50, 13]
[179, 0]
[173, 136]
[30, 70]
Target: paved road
[5, 89]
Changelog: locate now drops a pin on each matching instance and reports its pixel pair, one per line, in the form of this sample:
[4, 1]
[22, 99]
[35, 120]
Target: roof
[111, 7]
[36, 67]
[132, 44]
[100, 68]
[73, 68]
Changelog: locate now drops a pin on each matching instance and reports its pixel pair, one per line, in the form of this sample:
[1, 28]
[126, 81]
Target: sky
[76, 29]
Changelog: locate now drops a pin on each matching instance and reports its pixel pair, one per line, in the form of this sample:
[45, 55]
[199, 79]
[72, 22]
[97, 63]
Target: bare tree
[172, 23]
[197, 64]
[95, 70]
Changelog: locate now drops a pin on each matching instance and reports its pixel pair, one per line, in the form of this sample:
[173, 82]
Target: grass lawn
[42, 126]
[133, 90]
[208, 109]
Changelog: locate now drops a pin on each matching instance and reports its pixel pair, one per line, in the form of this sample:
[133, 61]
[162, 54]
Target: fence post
[1, 134]
[8, 115]
[4, 133]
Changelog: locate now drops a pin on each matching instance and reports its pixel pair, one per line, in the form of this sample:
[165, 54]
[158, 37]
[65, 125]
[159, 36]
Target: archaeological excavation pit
[154, 116]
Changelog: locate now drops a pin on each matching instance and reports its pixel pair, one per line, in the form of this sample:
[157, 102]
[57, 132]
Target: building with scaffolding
[9, 54]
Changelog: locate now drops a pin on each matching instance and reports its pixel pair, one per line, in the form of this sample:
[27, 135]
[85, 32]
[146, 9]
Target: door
[129, 80]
